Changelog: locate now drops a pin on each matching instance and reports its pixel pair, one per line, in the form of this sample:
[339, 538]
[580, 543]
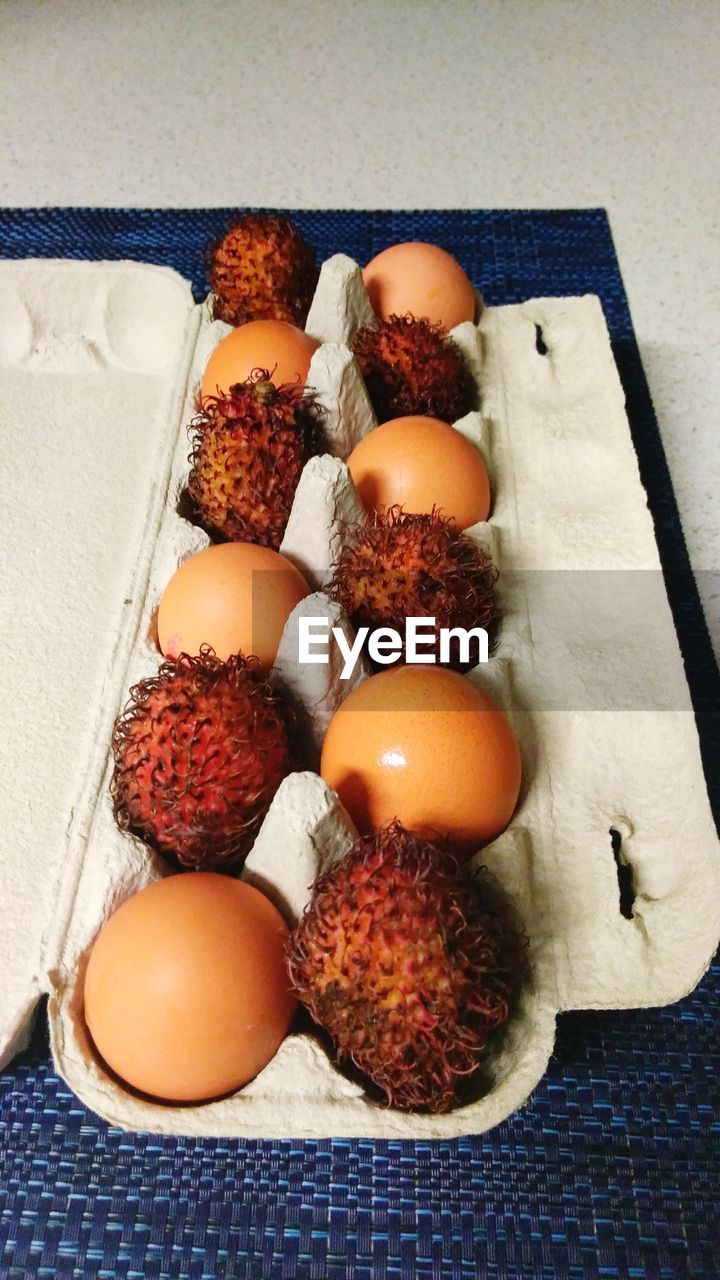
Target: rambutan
[396, 565]
[248, 451]
[412, 367]
[200, 750]
[262, 269]
[407, 964]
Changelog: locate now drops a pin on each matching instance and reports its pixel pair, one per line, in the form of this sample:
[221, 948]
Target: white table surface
[402, 104]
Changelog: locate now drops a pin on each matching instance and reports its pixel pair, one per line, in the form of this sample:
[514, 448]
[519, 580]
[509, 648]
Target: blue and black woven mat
[610, 1171]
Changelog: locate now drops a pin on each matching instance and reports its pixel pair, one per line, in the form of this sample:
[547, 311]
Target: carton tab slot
[625, 878]
[540, 343]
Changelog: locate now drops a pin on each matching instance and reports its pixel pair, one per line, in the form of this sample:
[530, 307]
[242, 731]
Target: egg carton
[100, 363]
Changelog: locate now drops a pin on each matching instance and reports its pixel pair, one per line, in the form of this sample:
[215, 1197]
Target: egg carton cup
[99, 367]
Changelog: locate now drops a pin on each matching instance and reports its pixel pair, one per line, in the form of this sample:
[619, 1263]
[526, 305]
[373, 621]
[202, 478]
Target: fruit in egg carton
[409, 963]
[567, 498]
[200, 750]
[397, 565]
[249, 447]
[262, 268]
[340, 314]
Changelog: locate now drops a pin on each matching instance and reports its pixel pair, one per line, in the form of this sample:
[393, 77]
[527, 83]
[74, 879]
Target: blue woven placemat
[611, 1170]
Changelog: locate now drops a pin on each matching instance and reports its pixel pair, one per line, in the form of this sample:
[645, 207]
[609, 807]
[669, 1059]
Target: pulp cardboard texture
[100, 362]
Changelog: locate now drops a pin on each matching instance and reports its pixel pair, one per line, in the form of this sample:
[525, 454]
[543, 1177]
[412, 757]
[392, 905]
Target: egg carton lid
[95, 365]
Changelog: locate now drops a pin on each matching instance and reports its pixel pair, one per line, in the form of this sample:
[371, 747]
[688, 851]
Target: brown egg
[421, 280]
[186, 993]
[421, 463]
[236, 597]
[282, 349]
[426, 746]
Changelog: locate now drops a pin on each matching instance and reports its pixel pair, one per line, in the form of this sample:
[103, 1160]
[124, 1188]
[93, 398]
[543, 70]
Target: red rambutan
[262, 269]
[411, 366]
[404, 961]
[396, 565]
[248, 451]
[200, 750]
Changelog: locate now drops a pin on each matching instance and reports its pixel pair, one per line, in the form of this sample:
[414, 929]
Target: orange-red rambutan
[200, 751]
[248, 451]
[396, 565]
[412, 366]
[262, 269]
[403, 960]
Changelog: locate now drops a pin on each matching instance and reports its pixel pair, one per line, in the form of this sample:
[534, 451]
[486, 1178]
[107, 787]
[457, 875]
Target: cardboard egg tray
[99, 365]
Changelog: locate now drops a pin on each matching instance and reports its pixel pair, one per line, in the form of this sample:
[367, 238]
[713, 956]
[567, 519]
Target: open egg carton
[99, 367]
